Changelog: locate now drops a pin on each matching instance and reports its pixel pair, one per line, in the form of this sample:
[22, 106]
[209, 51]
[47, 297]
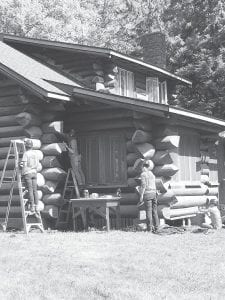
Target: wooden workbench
[101, 206]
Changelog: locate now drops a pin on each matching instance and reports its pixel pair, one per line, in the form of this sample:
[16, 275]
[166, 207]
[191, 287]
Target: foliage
[195, 34]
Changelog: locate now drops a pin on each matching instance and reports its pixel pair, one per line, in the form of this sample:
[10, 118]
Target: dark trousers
[31, 184]
[152, 219]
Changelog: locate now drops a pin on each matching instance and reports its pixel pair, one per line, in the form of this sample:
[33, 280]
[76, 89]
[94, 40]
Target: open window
[125, 83]
[104, 158]
[156, 91]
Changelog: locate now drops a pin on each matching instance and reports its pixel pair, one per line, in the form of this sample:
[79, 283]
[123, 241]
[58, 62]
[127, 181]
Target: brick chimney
[154, 49]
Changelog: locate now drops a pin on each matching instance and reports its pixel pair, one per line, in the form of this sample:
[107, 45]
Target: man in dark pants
[148, 195]
[29, 165]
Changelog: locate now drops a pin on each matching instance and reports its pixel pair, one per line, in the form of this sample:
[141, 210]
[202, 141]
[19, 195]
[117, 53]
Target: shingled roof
[33, 74]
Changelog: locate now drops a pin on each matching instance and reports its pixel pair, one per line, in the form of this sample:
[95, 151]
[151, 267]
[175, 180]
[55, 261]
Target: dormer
[105, 70]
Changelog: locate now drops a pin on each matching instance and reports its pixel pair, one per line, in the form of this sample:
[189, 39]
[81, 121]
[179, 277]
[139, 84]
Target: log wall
[24, 116]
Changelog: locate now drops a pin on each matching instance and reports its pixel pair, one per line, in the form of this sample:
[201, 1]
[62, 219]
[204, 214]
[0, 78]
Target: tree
[195, 36]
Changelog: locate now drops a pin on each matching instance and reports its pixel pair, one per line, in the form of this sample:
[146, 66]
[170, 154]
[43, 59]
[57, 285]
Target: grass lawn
[114, 265]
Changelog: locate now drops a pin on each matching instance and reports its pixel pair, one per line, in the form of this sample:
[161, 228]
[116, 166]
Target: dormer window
[125, 83]
[156, 91]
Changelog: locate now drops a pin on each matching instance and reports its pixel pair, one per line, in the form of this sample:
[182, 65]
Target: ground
[115, 265]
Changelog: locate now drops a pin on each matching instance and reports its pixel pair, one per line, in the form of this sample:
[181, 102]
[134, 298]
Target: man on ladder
[29, 170]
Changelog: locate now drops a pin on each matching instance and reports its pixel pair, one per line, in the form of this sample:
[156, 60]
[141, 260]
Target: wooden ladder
[29, 219]
[70, 188]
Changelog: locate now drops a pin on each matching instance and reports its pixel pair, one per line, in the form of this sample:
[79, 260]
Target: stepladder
[70, 190]
[17, 212]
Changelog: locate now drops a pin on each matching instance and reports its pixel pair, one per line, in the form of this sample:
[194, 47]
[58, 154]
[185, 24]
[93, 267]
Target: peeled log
[213, 191]
[51, 211]
[52, 127]
[53, 149]
[191, 191]
[146, 150]
[165, 170]
[36, 144]
[48, 138]
[50, 162]
[183, 212]
[161, 184]
[26, 119]
[164, 157]
[10, 164]
[53, 199]
[166, 198]
[49, 186]
[141, 136]
[14, 211]
[183, 184]
[40, 180]
[33, 132]
[55, 174]
[168, 142]
[189, 201]
[131, 158]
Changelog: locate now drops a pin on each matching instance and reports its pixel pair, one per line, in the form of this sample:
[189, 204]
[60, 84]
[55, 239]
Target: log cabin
[118, 106]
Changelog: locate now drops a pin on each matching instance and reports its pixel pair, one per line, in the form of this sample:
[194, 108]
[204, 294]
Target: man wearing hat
[29, 165]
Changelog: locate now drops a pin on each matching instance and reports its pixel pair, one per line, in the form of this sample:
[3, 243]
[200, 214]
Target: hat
[28, 143]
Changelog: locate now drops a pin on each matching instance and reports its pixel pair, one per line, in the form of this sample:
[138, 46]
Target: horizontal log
[9, 120]
[189, 201]
[52, 127]
[182, 212]
[132, 157]
[53, 149]
[185, 184]
[11, 131]
[131, 172]
[50, 162]
[165, 170]
[40, 180]
[168, 142]
[165, 131]
[12, 100]
[53, 199]
[25, 119]
[161, 184]
[102, 125]
[146, 150]
[14, 210]
[129, 198]
[141, 136]
[213, 191]
[55, 174]
[13, 90]
[51, 211]
[165, 157]
[163, 211]
[10, 164]
[48, 138]
[132, 182]
[33, 132]
[131, 148]
[191, 191]
[166, 198]
[49, 116]
[49, 186]
[143, 124]
[5, 142]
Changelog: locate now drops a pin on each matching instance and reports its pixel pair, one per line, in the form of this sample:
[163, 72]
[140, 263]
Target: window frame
[125, 83]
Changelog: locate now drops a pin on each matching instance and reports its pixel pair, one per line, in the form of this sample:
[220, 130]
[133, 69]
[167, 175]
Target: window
[156, 91]
[103, 158]
[125, 83]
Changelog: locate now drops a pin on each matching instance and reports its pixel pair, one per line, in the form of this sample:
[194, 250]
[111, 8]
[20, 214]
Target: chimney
[154, 49]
